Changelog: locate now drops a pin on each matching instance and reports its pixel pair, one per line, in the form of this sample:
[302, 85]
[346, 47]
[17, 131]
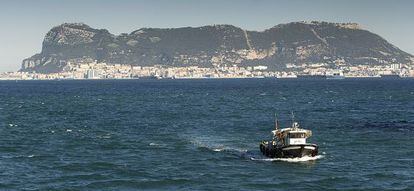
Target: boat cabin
[295, 138]
[291, 136]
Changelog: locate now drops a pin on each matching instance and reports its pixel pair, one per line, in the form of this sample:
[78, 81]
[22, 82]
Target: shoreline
[209, 78]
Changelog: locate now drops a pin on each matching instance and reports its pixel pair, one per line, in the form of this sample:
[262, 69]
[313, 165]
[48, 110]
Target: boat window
[297, 135]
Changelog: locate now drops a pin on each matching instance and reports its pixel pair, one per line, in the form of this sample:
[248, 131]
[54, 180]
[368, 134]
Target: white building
[92, 74]
[260, 68]
[396, 66]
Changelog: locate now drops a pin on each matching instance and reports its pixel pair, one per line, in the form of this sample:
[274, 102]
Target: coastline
[210, 78]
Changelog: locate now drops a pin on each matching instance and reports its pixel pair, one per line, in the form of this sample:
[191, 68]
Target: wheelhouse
[296, 138]
[291, 136]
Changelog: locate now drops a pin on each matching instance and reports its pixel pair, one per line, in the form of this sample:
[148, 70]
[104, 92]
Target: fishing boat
[289, 142]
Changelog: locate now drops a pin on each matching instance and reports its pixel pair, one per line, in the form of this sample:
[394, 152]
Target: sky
[24, 23]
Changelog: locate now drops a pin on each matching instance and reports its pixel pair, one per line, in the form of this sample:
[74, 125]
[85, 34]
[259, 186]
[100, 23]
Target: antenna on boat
[293, 118]
[276, 123]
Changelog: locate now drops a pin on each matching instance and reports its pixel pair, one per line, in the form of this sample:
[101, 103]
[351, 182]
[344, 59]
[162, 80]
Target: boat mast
[275, 138]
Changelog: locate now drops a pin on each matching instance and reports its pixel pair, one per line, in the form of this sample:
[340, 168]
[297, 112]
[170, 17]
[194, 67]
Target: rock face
[209, 46]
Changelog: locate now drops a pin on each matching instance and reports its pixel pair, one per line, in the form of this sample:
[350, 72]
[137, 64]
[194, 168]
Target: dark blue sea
[204, 134]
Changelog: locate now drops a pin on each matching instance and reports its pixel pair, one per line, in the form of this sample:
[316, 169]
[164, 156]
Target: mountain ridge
[215, 45]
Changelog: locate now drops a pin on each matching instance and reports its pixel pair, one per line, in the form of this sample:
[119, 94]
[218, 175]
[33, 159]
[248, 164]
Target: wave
[400, 125]
[158, 145]
[17, 156]
[107, 136]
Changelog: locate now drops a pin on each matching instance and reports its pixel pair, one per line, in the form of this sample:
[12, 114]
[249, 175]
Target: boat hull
[290, 151]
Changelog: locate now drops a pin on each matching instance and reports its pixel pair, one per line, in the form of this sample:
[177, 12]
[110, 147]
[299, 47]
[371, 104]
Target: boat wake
[245, 153]
[301, 159]
[256, 156]
[218, 147]
[215, 147]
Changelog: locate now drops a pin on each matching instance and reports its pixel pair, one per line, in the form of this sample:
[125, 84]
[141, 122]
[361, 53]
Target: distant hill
[208, 46]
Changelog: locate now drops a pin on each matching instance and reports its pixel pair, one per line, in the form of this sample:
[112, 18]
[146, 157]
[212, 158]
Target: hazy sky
[25, 22]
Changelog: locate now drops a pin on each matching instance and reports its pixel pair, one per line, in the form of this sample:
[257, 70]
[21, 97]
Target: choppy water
[203, 134]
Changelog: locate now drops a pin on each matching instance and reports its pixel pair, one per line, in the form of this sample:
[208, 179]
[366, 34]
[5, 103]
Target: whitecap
[217, 150]
[68, 130]
[30, 156]
[153, 144]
